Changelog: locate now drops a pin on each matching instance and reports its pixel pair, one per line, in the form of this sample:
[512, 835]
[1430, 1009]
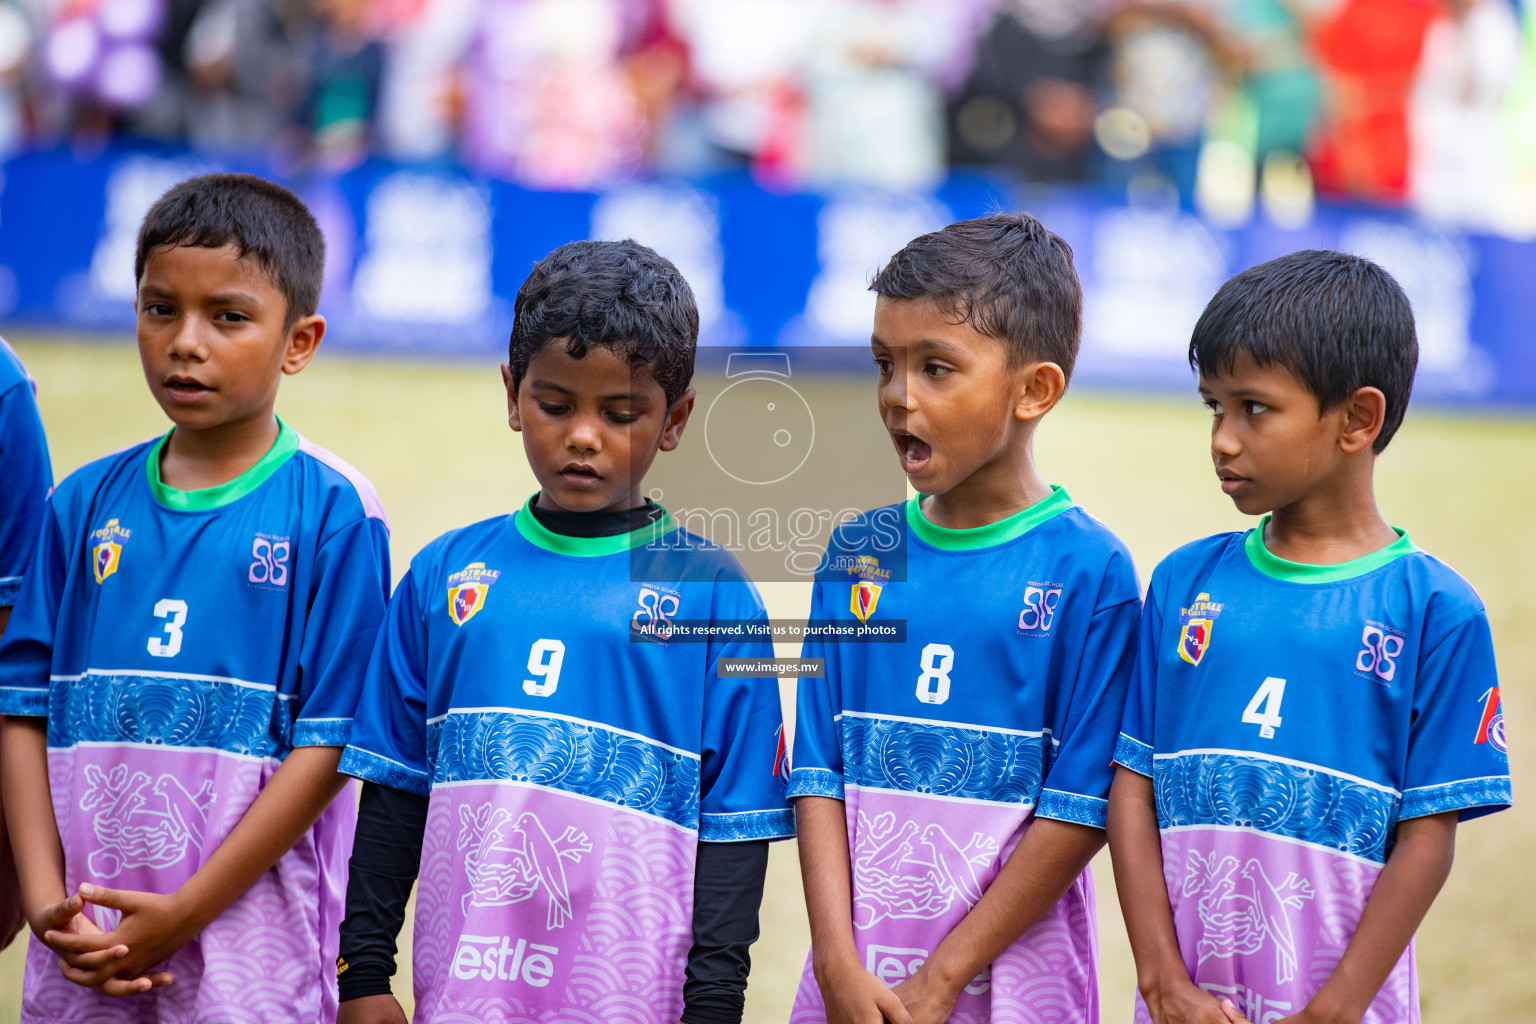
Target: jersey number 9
[544, 661]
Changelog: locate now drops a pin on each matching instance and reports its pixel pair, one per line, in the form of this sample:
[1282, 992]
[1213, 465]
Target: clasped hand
[119, 962]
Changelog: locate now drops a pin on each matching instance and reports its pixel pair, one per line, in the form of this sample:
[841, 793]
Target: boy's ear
[1364, 412]
[677, 419]
[514, 415]
[1041, 386]
[303, 339]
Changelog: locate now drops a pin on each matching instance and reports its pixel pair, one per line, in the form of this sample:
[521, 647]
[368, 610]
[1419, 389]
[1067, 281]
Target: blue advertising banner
[427, 260]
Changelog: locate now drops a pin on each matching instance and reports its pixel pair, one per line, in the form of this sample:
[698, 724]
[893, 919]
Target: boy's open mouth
[914, 451]
[185, 386]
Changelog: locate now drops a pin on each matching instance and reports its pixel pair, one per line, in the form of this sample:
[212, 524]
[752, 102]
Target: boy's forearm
[301, 788]
[1035, 876]
[1418, 866]
[1137, 856]
[29, 812]
[826, 869]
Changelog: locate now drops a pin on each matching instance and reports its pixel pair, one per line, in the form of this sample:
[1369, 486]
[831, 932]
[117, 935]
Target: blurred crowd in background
[1225, 103]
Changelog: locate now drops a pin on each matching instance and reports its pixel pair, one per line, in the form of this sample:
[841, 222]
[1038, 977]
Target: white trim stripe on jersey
[1255, 755]
[564, 718]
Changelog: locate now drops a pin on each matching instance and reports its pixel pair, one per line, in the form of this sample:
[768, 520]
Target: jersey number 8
[933, 684]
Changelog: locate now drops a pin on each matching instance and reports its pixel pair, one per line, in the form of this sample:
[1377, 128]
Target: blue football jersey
[1290, 716]
[1000, 703]
[180, 643]
[25, 469]
[575, 747]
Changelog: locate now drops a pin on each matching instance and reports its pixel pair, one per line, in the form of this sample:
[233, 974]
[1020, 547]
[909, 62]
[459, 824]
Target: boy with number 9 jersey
[1315, 703]
[587, 803]
[952, 788]
[179, 672]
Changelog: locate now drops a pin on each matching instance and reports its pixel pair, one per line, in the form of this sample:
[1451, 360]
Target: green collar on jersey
[206, 498]
[1273, 565]
[992, 534]
[541, 536]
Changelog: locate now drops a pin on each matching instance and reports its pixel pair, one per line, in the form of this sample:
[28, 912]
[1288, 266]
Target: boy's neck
[992, 493]
[192, 460]
[1329, 526]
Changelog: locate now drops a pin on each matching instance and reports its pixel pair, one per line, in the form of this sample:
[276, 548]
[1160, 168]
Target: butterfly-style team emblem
[1196, 625]
[863, 599]
[467, 591]
[107, 553]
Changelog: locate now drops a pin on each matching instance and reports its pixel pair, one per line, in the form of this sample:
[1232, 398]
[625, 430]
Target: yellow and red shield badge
[863, 599]
[104, 559]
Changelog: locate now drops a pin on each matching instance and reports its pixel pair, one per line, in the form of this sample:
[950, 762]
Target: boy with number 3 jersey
[959, 778]
[192, 634]
[1315, 704]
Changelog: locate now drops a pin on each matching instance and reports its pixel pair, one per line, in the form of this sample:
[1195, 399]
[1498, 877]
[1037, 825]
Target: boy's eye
[157, 309]
[623, 417]
[1213, 405]
[938, 370]
[551, 409]
[231, 316]
[1254, 408]
[883, 364]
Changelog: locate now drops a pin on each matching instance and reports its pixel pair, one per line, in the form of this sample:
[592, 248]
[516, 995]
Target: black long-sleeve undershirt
[386, 857]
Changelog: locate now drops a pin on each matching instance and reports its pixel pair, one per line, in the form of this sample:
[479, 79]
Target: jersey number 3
[1264, 709]
[175, 614]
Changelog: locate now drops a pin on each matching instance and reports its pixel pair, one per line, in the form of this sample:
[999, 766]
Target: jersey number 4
[1264, 709]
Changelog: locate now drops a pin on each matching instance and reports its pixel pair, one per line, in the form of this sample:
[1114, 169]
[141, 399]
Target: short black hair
[260, 218]
[622, 296]
[1007, 276]
[1334, 321]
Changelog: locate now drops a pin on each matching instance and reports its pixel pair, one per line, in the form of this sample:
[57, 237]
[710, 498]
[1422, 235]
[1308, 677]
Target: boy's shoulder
[341, 481]
[84, 482]
[672, 555]
[1069, 530]
[12, 372]
[1198, 555]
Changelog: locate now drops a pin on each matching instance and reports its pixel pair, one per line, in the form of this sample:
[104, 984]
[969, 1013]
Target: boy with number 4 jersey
[589, 803]
[1315, 704]
[179, 673]
[952, 788]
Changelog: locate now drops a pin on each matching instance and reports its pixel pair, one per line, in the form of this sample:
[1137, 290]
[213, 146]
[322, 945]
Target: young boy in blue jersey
[181, 666]
[28, 478]
[588, 804]
[952, 788]
[1315, 703]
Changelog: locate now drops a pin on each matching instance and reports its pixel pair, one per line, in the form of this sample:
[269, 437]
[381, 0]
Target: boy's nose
[1224, 440]
[583, 436]
[189, 340]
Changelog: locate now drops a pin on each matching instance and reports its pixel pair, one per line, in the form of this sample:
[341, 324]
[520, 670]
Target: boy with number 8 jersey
[179, 673]
[588, 803]
[1315, 703]
[952, 788]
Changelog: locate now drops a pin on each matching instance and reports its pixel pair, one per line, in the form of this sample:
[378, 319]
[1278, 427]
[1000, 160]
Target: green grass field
[433, 439]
